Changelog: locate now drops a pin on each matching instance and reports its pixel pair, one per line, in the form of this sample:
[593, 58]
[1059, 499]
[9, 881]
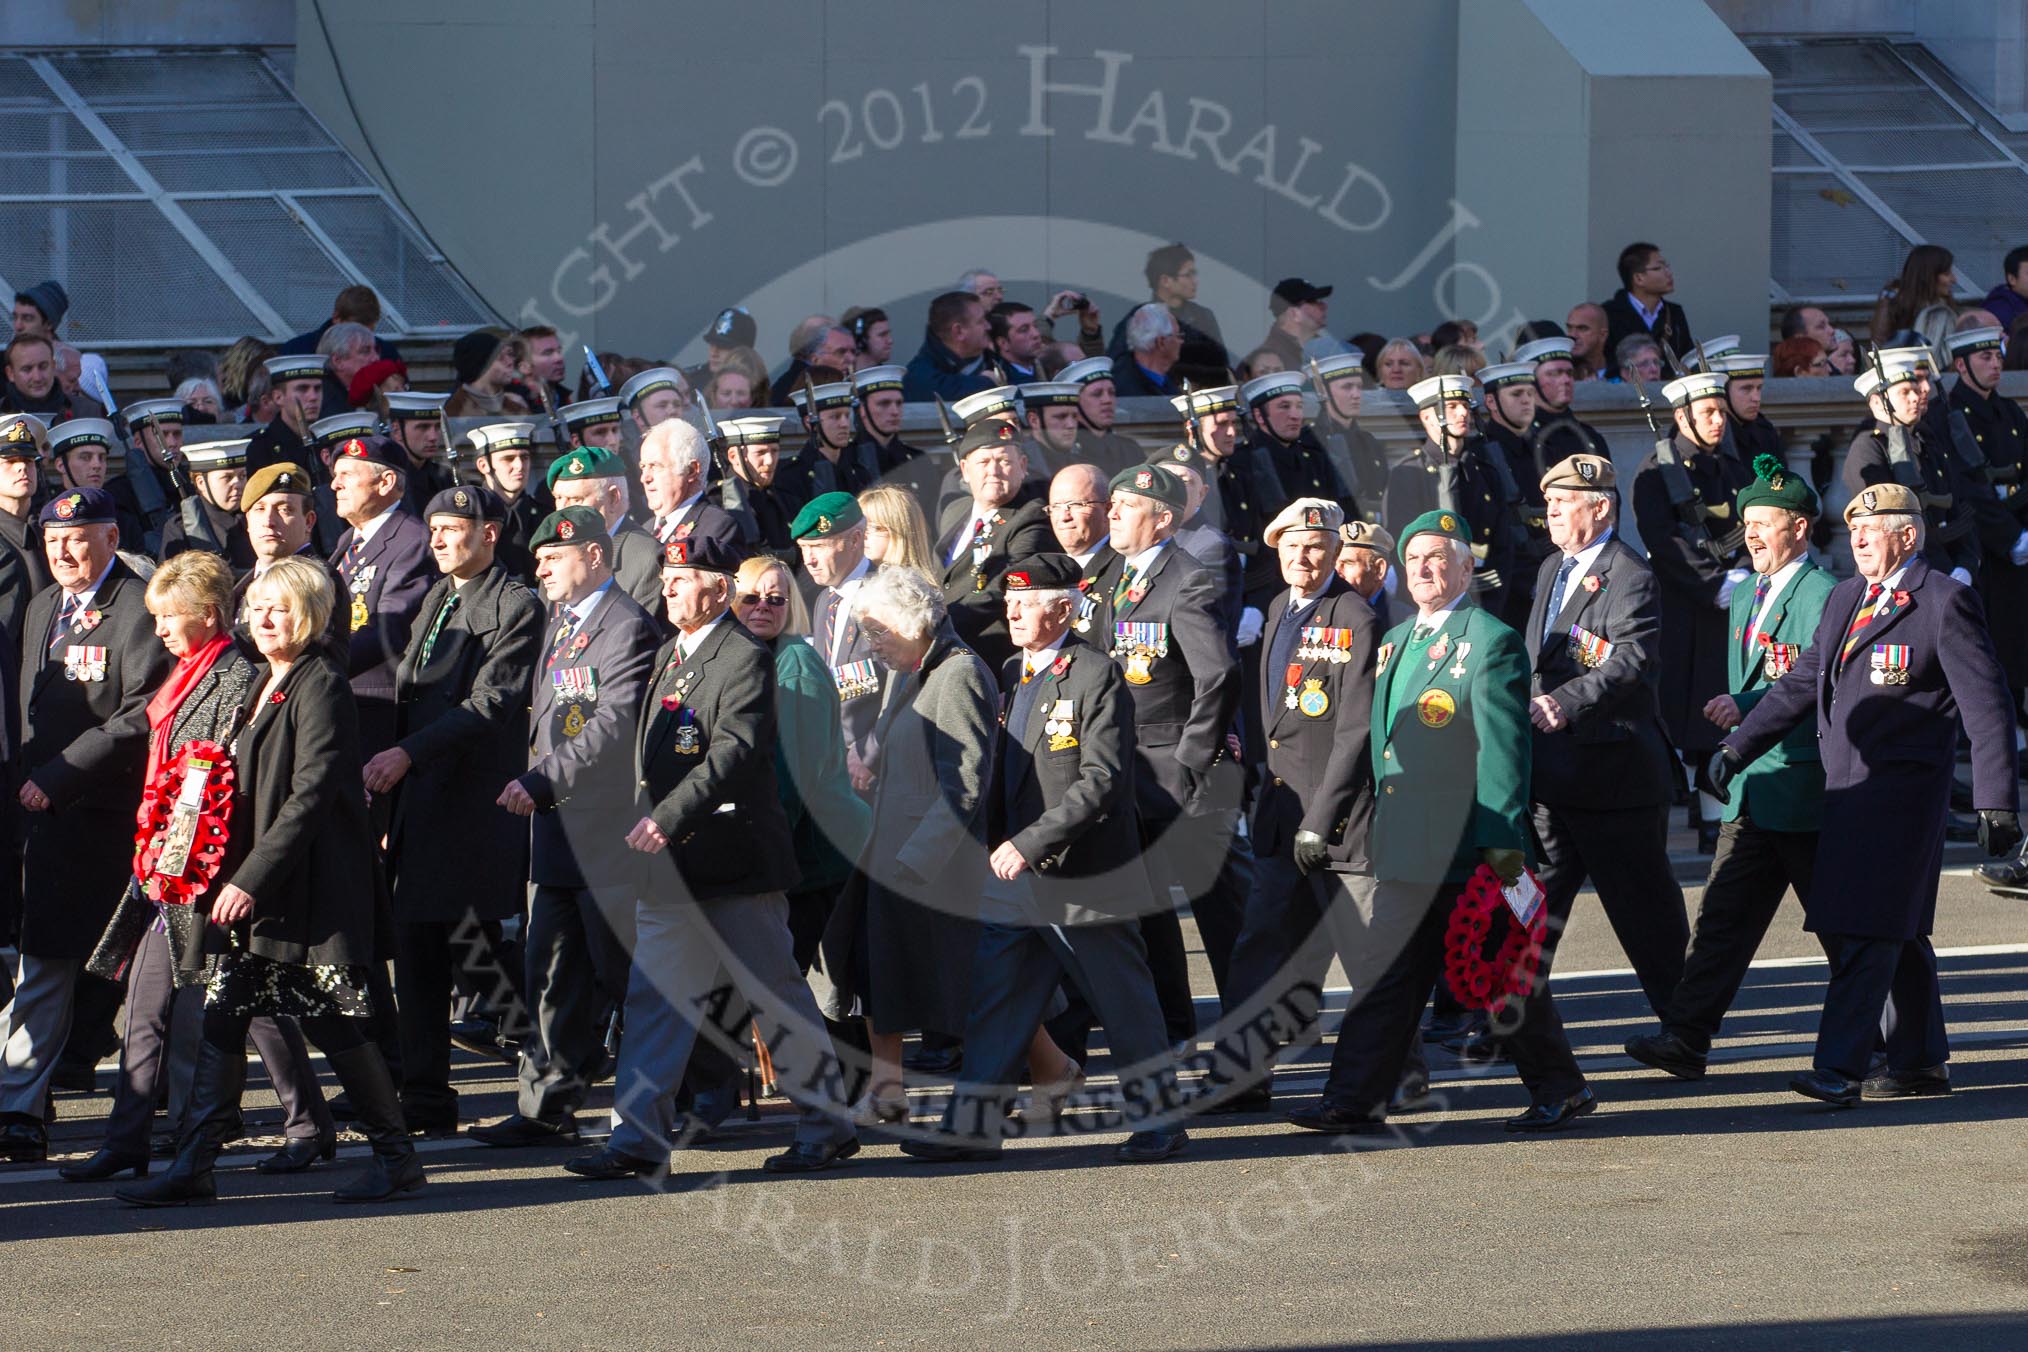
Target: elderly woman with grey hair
[899, 945]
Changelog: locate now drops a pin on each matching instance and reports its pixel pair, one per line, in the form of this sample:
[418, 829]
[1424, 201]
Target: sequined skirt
[245, 983]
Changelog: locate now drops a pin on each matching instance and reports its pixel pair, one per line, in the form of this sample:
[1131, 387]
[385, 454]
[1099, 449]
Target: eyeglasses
[1066, 508]
[772, 602]
[1658, 265]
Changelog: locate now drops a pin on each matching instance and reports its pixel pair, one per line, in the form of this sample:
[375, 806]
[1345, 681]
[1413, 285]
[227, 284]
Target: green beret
[570, 526]
[1151, 481]
[1776, 485]
[586, 462]
[1438, 522]
[826, 515]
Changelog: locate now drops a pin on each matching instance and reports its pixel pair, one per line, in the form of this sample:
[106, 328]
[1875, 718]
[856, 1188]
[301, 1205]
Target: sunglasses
[756, 599]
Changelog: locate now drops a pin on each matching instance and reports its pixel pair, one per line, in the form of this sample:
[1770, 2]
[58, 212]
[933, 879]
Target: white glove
[1733, 577]
[1251, 622]
[2019, 553]
[1964, 576]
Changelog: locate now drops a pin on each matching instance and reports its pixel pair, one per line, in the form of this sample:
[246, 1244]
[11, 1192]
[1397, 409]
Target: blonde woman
[1400, 364]
[896, 533]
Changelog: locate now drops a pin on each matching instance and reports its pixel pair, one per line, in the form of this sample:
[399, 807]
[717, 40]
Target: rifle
[557, 429]
[714, 438]
[1691, 516]
[148, 494]
[596, 371]
[450, 446]
[951, 438]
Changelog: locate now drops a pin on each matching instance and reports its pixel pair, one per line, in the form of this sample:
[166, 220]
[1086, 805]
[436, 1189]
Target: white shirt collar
[1587, 559]
[84, 598]
[687, 643]
[1777, 580]
[372, 528]
[579, 610]
[1140, 562]
[1436, 622]
[852, 579]
[1298, 600]
[1088, 555]
[1892, 582]
[1036, 661]
[677, 513]
[1647, 316]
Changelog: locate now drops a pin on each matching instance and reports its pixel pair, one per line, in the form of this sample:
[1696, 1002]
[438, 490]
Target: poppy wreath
[1488, 954]
[214, 815]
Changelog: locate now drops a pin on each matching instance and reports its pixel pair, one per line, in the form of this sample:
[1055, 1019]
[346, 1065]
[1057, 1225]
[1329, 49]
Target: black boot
[210, 1117]
[394, 1168]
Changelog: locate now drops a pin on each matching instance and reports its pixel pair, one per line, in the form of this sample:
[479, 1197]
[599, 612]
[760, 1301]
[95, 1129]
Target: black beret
[707, 552]
[470, 502]
[378, 450]
[1044, 572]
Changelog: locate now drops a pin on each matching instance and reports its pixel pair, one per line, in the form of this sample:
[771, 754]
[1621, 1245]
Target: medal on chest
[1138, 645]
[1890, 664]
[84, 663]
[1313, 701]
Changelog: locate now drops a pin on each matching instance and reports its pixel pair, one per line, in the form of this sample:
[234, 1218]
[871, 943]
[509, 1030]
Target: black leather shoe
[1916, 1084]
[1338, 1121]
[24, 1143]
[519, 1131]
[383, 1179]
[935, 1061]
[1555, 1116]
[102, 1166]
[953, 1151]
[1256, 1098]
[1828, 1087]
[481, 1037]
[1666, 1052]
[298, 1153]
[171, 1189]
[2007, 873]
[1146, 1147]
[605, 1164]
[804, 1158]
[1410, 1096]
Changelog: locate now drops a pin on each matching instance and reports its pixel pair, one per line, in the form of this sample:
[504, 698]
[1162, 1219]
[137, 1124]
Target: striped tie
[429, 643]
[1859, 623]
[1760, 590]
[1128, 577]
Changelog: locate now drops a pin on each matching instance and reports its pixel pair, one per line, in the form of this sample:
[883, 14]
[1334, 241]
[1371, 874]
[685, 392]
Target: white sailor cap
[1740, 365]
[510, 436]
[836, 394]
[1507, 373]
[153, 410]
[205, 456]
[1900, 364]
[1554, 348]
[1697, 385]
[1085, 371]
[68, 436]
[295, 366]
[1050, 393]
[752, 431]
[653, 379]
[976, 408]
[359, 422]
[406, 404]
[1343, 364]
[1449, 389]
[22, 435]
[1700, 357]
[1975, 340]
[590, 413]
[1204, 403]
[874, 378]
[1263, 388]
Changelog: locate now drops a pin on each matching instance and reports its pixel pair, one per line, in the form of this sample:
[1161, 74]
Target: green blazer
[830, 822]
[1450, 767]
[1783, 790]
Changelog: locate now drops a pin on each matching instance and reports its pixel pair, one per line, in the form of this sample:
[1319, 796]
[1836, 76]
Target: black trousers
[428, 954]
[1203, 854]
[1381, 1031]
[1281, 940]
[1865, 972]
[1751, 872]
[1626, 856]
[578, 948]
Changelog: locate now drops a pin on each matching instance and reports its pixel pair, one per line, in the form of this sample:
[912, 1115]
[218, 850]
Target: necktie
[1420, 632]
[1760, 589]
[564, 629]
[831, 600]
[63, 617]
[1555, 607]
[1279, 648]
[437, 627]
[1129, 575]
[352, 555]
[1025, 696]
[1860, 619]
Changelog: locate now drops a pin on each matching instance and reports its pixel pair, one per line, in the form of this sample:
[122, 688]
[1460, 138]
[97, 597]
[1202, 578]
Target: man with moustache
[983, 531]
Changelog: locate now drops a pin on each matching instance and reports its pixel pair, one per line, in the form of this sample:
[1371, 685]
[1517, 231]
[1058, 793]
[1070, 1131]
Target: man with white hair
[1888, 715]
[591, 476]
[1602, 779]
[1450, 724]
[817, 341]
[1154, 342]
[347, 348]
[672, 483]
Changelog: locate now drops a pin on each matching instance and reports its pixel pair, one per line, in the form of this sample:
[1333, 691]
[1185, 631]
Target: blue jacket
[936, 370]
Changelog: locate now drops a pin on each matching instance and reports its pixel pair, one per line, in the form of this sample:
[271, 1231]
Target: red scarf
[162, 706]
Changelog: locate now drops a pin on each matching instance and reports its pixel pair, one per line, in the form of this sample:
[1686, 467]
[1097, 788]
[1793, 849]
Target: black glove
[1999, 831]
[1311, 853]
[1725, 764]
[1506, 864]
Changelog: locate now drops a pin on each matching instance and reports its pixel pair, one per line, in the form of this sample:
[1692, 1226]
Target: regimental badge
[823, 525]
[1780, 659]
[1588, 649]
[1313, 517]
[66, 506]
[1890, 663]
[1138, 644]
[461, 499]
[1144, 479]
[1061, 728]
[1870, 499]
[566, 529]
[1586, 470]
[1380, 659]
[1435, 708]
[1447, 522]
[361, 617]
[1137, 668]
[573, 720]
[689, 739]
[1313, 701]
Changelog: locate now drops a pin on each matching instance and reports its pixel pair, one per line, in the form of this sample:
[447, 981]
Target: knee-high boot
[209, 1121]
[394, 1168]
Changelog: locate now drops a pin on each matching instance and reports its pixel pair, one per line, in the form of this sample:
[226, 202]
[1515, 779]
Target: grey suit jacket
[935, 754]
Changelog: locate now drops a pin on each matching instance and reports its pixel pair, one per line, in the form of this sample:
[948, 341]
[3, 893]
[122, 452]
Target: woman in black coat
[291, 922]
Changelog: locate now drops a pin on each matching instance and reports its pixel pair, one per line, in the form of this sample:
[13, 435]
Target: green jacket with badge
[1783, 790]
[1450, 748]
